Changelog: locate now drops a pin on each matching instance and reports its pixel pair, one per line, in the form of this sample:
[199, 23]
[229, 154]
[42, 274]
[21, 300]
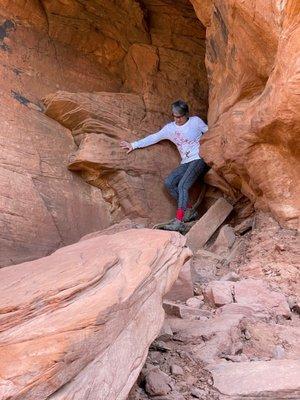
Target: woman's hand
[127, 146]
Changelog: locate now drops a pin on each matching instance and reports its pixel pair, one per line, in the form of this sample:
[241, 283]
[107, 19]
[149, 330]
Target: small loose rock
[194, 302]
[198, 393]
[157, 383]
[160, 346]
[231, 276]
[176, 370]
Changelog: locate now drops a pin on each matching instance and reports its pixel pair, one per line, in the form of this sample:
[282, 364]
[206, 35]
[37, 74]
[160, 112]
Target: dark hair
[180, 107]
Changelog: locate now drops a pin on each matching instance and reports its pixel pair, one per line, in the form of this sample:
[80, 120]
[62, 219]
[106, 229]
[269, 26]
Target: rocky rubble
[240, 330]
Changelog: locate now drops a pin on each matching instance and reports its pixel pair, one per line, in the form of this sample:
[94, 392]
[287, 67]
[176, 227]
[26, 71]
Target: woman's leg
[172, 180]
[194, 170]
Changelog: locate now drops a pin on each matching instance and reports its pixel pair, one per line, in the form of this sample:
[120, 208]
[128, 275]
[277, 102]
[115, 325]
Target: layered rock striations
[172, 65]
[131, 184]
[153, 50]
[113, 68]
[252, 62]
[84, 317]
[42, 205]
[146, 48]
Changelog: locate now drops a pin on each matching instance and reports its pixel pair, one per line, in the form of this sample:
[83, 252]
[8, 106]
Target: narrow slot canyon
[98, 300]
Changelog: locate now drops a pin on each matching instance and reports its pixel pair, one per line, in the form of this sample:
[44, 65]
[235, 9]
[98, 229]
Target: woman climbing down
[185, 133]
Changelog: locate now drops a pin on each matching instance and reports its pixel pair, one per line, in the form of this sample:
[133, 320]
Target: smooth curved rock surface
[84, 317]
[42, 205]
[132, 184]
[275, 379]
[252, 61]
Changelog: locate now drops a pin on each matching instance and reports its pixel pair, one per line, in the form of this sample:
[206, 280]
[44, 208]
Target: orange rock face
[131, 184]
[155, 51]
[154, 54]
[252, 62]
[42, 205]
[84, 311]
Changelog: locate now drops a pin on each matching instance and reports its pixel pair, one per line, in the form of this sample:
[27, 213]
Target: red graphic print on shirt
[182, 143]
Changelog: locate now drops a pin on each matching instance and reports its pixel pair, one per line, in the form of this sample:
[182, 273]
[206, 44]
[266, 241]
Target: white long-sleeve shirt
[186, 137]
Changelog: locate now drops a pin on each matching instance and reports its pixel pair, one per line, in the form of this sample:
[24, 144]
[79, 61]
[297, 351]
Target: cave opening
[154, 52]
[128, 60]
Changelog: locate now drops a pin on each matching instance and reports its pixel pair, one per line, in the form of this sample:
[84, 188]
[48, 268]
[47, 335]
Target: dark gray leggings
[182, 178]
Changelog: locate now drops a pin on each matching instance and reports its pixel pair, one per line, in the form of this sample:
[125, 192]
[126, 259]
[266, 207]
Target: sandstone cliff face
[131, 184]
[252, 62]
[43, 206]
[108, 71]
[153, 50]
[150, 49]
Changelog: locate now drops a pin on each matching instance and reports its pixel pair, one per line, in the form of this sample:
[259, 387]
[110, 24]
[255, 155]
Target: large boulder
[253, 293]
[78, 324]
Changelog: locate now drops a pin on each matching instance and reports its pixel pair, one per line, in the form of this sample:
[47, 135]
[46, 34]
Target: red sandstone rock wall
[131, 184]
[253, 70]
[148, 48]
[154, 49]
[43, 206]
